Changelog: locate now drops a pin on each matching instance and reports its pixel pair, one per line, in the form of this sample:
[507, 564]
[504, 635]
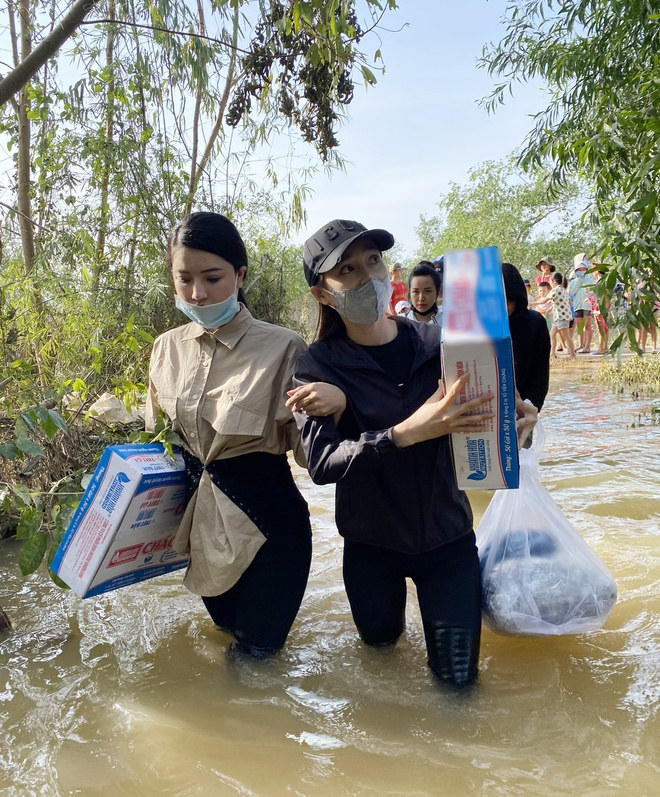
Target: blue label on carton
[477, 463]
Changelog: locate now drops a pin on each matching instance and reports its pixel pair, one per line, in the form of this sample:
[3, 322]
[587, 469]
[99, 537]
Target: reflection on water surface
[133, 693]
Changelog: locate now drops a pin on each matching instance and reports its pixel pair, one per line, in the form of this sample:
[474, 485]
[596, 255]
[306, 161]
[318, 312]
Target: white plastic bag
[539, 576]
[110, 409]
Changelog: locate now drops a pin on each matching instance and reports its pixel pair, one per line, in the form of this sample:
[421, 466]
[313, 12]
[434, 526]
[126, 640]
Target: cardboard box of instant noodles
[123, 528]
[476, 340]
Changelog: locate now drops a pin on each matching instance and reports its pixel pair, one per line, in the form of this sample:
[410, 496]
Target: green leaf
[29, 447]
[48, 426]
[9, 451]
[58, 420]
[21, 428]
[29, 523]
[57, 580]
[368, 75]
[22, 493]
[647, 199]
[52, 550]
[145, 335]
[32, 554]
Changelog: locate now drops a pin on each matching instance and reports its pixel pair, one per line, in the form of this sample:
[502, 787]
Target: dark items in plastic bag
[555, 591]
[543, 579]
[521, 543]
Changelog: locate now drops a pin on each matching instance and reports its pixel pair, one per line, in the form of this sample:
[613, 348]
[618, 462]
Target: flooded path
[133, 693]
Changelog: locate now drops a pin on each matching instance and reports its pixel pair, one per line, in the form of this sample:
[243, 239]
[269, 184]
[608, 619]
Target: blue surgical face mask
[211, 316]
[365, 304]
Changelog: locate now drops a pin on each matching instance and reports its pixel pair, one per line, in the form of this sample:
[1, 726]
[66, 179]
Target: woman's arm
[317, 398]
[330, 456]
[441, 415]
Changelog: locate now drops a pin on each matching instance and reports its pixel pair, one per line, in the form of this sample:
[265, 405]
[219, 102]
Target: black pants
[260, 608]
[448, 586]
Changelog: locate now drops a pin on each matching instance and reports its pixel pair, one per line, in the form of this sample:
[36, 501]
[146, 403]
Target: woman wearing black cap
[397, 503]
[221, 380]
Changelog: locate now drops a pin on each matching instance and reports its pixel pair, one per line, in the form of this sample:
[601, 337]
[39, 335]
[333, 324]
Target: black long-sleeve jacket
[530, 340]
[405, 499]
[531, 353]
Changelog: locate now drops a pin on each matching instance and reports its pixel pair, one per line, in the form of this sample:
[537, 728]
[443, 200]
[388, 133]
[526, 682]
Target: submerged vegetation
[640, 376]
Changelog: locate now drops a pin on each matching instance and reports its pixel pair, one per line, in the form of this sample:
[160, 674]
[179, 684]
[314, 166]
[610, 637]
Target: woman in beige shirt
[222, 380]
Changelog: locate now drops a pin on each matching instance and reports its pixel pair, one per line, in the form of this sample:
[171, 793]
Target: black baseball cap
[324, 249]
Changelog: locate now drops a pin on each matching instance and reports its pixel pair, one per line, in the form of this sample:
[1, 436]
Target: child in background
[542, 304]
[561, 316]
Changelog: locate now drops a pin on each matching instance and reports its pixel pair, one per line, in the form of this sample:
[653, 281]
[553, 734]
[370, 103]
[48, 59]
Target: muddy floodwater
[133, 693]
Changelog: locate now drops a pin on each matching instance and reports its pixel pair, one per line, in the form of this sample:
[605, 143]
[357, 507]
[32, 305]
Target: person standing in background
[600, 314]
[542, 304]
[399, 289]
[530, 339]
[546, 267]
[580, 290]
[424, 287]
[561, 316]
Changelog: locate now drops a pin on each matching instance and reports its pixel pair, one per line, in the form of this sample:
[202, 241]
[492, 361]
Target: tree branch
[171, 31]
[29, 66]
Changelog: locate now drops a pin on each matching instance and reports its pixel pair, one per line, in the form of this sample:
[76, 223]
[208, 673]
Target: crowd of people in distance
[574, 316]
[530, 337]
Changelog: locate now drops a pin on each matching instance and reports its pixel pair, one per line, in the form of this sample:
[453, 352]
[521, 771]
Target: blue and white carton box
[476, 340]
[124, 525]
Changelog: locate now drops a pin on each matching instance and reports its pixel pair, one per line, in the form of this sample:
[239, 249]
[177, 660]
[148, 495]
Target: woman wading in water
[222, 380]
[397, 503]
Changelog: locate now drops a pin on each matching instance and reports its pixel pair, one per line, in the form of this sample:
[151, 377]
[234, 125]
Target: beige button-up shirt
[224, 393]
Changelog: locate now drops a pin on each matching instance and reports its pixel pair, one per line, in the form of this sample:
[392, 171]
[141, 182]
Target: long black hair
[213, 233]
[329, 323]
[514, 287]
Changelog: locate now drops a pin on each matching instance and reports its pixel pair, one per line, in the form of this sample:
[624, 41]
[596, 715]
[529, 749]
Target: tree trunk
[127, 292]
[24, 147]
[197, 169]
[106, 155]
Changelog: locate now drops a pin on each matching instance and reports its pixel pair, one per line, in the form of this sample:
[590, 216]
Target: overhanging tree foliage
[155, 107]
[32, 61]
[601, 62]
[504, 206]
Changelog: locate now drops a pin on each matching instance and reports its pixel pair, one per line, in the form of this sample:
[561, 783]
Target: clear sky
[421, 126]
